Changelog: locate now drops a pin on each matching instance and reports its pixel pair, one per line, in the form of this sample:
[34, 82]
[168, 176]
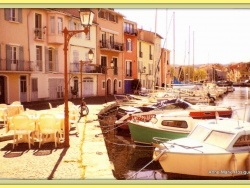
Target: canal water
[134, 161]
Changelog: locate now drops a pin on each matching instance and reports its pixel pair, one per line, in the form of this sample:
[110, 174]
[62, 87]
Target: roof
[227, 125]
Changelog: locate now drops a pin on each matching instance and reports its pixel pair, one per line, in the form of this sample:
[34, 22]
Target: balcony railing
[51, 66]
[15, 65]
[130, 31]
[39, 34]
[76, 68]
[37, 65]
[107, 44]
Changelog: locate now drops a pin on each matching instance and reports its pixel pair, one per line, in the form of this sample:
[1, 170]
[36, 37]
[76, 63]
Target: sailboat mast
[193, 56]
[188, 55]
[173, 45]
[166, 56]
[154, 58]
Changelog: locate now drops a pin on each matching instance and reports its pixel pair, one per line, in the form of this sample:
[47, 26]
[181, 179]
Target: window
[87, 36]
[38, 26]
[103, 63]
[140, 52]
[129, 45]
[150, 53]
[112, 17]
[75, 86]
[75, 56]
[34, 84]
[39, 57]
[243, 140]
[115, 66]
[101, 14]
[129, 28]
[129, 68]
[52, 24]
[60, 25]
[112, 40]
[13, 14]
[14, 57]
[103, 84]
[51, 56]
[23, 84]
[175, 123]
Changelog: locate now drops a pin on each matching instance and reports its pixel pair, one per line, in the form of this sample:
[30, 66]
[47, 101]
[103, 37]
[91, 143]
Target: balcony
[15, 65]
[39, 34]
[132, 32]
[51, 66]
[92, 68]
[37, 65]
[109, 45]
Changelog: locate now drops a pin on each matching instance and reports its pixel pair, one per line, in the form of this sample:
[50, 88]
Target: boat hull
[205, 166]
[210, 114]
[146, 135]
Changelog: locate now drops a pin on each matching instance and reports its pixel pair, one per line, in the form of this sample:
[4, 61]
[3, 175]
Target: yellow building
[149, 58]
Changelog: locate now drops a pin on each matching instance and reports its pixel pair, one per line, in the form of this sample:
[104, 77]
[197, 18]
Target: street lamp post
[90, 56]
[86, 16]
[106, 84]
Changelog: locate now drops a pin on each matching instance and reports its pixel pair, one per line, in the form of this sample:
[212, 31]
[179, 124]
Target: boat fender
[233, 164]
[154, 119]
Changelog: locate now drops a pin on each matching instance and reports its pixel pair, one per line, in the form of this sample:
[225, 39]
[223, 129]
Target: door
[56, 86]
[2, 86]
[88, 87]
[34, 89]
[23, 89]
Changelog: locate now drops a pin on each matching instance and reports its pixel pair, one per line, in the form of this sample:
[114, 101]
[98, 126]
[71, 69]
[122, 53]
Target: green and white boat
[161, 126]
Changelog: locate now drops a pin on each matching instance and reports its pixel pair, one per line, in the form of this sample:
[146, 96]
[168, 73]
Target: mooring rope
[133, 145]
[146, 165]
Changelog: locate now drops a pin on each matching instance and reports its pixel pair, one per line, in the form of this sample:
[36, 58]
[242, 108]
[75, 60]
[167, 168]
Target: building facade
[32, 55]
[130, 56]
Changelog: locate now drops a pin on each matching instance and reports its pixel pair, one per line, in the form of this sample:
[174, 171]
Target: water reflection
[133, 161]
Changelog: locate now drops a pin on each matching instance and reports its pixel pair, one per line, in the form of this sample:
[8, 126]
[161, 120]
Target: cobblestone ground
[86, 158]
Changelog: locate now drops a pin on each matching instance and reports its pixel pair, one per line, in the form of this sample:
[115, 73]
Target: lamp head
[91, 55]
[111, 64]
[86, 16]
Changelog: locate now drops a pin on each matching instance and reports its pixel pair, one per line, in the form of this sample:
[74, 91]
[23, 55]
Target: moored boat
[160, 127]
[215, 149]
[177, 107]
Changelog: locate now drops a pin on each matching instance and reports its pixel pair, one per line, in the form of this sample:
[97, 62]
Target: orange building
[130, 54]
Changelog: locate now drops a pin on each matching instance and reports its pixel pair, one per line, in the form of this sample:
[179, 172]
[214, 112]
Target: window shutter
[56, 59]
[46, 50]
[7, 14]
[20, 16]
[8, 57]
[21, 59]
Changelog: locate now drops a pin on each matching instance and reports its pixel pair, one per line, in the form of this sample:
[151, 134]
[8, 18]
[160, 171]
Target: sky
[198, 36]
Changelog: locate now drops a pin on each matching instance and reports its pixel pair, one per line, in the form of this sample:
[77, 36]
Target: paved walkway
[85, 159]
